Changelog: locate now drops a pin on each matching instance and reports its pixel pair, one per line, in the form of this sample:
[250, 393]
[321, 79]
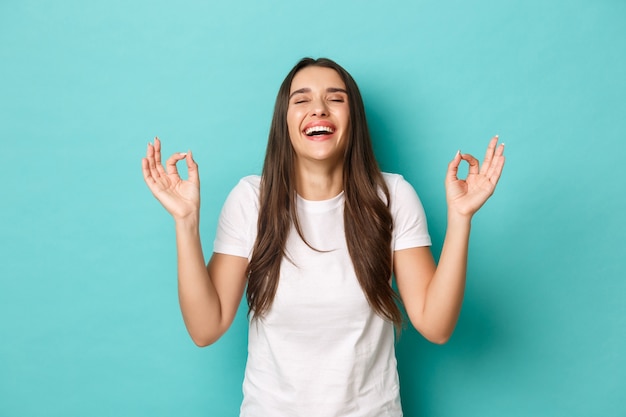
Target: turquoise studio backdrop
[89, 318]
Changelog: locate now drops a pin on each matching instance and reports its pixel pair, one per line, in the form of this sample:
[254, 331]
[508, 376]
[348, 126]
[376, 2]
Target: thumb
[453, 167]
[192, 168]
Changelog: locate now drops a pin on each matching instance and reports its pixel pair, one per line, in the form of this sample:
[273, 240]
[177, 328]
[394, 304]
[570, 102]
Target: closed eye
[300, 99]
[337, 98]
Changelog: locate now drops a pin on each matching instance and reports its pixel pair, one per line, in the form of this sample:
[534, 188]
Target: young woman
[316, 239]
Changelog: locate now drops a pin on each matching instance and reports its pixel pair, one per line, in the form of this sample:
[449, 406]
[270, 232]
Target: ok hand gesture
[466, 196]
[181, 198]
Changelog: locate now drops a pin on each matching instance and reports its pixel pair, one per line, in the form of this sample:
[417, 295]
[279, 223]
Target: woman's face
[318, 116]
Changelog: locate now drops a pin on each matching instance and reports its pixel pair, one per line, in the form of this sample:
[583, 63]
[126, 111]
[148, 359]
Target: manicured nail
[182, 153]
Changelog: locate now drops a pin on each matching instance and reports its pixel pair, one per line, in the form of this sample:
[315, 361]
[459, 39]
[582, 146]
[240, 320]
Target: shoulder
[243, 199]
[392, 179]
[398, 187]
[404, 201]
[251, 183]
[410, 227]
[248, 188]
[236, 228]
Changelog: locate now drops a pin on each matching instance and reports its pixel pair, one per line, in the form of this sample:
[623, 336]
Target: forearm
[199, 300]
[445, 292]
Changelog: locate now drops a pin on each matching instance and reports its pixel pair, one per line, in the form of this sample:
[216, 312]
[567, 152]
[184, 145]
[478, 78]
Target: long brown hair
[367, 219]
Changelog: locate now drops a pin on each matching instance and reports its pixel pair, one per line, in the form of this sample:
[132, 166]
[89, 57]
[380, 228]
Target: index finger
[491, 148]
[170, 164]
[453, 168]
[157, 155]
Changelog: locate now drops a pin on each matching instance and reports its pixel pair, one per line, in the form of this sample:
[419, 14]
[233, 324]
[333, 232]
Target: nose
[318, 108]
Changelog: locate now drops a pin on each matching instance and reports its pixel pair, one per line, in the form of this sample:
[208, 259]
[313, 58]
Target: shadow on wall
[426, 369]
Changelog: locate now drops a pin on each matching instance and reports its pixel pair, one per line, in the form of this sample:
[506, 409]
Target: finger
[491, 148]
[151, 162]
[494, 172]
[170, 164]
[157, 155]
[453, 168]
[473, 164]
[153, 184]
[147, 175]
[192, 169]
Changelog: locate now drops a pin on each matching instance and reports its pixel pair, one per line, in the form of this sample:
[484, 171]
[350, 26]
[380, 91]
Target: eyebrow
[328, 90]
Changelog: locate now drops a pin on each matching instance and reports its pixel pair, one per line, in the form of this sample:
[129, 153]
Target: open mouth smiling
[319, 131]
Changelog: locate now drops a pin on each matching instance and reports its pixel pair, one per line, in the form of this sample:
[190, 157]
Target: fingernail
[458, 152]
[182, 153]
[497, 136]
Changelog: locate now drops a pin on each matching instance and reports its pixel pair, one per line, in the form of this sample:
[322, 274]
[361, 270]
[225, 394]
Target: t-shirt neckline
[317, 206]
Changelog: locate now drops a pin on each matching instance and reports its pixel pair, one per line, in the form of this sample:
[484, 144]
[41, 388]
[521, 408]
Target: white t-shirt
[320, 350]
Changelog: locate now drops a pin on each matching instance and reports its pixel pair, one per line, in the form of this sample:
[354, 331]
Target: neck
[318, 182]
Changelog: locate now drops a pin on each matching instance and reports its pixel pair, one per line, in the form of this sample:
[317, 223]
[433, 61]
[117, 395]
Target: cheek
[293, 120]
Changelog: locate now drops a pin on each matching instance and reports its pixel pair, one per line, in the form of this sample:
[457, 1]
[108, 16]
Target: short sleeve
[410, 228]
[236, 228]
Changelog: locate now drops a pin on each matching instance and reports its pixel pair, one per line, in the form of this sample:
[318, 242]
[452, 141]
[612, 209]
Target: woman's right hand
[181, 198]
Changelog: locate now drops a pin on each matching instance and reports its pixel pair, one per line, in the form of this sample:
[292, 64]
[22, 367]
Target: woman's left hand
[466, 196]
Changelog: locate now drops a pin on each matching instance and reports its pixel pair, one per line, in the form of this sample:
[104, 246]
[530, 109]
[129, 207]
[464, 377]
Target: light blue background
[89, 320]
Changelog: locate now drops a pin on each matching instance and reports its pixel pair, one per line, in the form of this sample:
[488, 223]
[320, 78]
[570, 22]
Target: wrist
[459, 220]
[187, 223]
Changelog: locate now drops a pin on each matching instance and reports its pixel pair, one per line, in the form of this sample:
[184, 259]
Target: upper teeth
[315, 129]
